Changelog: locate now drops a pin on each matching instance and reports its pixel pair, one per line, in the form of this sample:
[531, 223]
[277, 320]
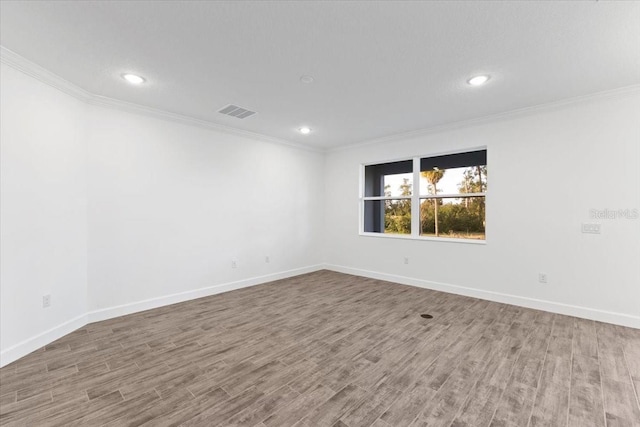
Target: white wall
[43, 220]
[112, 212]
[170, 205]
[547, 169]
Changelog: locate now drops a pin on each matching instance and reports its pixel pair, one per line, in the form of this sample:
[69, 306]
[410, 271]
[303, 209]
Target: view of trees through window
[451, 201]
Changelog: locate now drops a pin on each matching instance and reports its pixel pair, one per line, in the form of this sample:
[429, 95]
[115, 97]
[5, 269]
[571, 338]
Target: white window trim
[415, 202]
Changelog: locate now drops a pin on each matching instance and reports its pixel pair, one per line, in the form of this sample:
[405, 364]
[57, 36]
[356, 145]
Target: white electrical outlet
[406, 260]
[542, 278]
[267, 259]
[234, 263]
[46, 301]
[590, 228]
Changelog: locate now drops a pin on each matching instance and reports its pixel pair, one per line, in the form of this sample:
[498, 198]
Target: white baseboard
[554, 307]
[29, 345]
[148, 304]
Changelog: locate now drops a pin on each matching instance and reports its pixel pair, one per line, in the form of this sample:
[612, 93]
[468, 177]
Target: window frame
[416, 199]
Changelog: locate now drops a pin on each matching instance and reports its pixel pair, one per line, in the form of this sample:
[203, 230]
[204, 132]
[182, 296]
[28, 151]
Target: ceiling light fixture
[479, 80]
[133, 79]
[306, 79]
[305, 130]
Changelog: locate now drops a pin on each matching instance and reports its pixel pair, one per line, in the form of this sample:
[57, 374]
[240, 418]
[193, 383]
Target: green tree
[433, 177]
[397, 215]
[475, 181]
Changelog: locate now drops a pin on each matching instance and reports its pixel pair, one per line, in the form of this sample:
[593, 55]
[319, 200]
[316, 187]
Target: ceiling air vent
[235, 111]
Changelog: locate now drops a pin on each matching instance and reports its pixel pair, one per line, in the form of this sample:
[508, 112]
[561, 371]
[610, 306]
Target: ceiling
[379, 68]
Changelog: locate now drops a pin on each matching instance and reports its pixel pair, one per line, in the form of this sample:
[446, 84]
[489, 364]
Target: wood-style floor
[328, 349]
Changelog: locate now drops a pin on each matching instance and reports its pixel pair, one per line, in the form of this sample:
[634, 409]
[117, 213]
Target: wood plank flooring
[329, 349]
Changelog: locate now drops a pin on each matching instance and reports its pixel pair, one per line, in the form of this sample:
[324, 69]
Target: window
[427, 197]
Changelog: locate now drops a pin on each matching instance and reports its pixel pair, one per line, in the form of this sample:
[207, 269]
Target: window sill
[433, 239]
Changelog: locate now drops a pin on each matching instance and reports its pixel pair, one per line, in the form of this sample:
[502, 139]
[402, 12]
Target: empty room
[320, 213]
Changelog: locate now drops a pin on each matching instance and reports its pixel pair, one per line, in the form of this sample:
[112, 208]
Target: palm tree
[433, 176]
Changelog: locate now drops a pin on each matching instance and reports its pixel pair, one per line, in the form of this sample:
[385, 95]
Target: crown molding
[492, 118]
[103, 101]
[45, 76]
[41, 74]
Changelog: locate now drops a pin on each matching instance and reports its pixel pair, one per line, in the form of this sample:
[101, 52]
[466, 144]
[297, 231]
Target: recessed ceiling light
[305, 130]
[479, 80]
[306, 79]
[133, 79]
